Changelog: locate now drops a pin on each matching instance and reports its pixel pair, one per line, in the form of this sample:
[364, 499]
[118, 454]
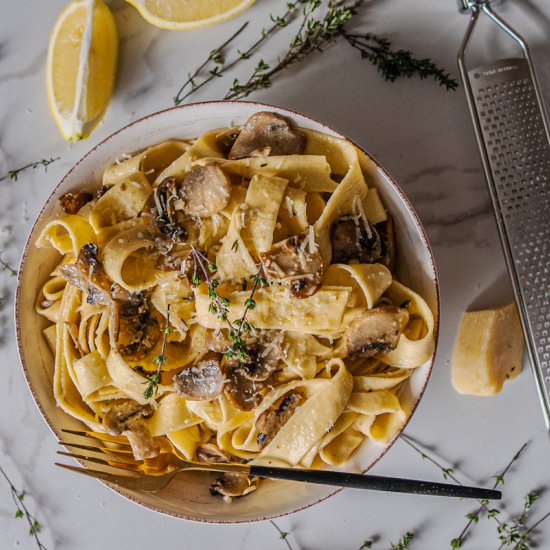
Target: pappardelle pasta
[234, 294]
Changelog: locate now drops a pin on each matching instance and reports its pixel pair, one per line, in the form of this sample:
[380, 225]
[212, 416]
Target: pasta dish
[234, 295]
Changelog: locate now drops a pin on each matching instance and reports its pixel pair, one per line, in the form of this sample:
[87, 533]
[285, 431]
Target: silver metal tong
[512, 131]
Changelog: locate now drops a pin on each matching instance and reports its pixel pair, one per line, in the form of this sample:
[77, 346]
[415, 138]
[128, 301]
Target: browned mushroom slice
[126, 417]
[387, 237]
[87, 274]
[266, 129]
[130, 303]
[212, 453]
[234, 484]
[203, 381]
[205, 191]
[73, 202]
[351, 241]
[243, 392]
[137, 335]
[274, 418]
[296, 263]
[266, 354]
[375, 330]
[163, 210]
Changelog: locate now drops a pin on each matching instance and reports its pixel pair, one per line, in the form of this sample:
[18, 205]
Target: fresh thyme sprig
[5, 266]
[14, 174]
[22, 511]
[393, 64]
[515, 533]
[219, 305]
[279, 21]
[216, 57]
[314, 34]
[473, 517]
[238, 347]
[159, 360]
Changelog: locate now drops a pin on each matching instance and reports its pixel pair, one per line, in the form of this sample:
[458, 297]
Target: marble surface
[423, 136]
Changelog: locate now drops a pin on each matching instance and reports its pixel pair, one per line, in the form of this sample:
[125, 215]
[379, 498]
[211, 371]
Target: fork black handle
[376, 483]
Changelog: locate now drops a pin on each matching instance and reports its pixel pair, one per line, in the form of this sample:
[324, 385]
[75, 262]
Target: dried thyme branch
[282, 534]
[14, 174]
[215, 56]
[393, 64]
[22, 511]
[5, 266]
[159, 360]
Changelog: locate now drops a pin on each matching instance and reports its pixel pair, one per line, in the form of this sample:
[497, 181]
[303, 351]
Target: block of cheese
[488, 350]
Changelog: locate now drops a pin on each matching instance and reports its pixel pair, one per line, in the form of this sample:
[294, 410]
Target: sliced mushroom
[130, 303]
[126, 417]
[387, 236]
[266, 354]
[212, 453]
[136, 335]
[296, 263]
[243, 392]
[375, 330]
[203, 381]
[352, 242]
[274, 418]
[234, 484]
[205, 191]
[87, 274]
[265, 129]
[163, 210]
[71, 203]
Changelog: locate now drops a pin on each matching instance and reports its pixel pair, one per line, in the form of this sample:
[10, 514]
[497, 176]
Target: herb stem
[13, 174]
[18, 498]
[282, 534]
[160, 360]
[213, 56]
[7, 267]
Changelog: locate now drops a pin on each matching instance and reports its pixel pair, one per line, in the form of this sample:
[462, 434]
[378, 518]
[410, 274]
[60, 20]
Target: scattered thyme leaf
[403, 542]
[5, 266]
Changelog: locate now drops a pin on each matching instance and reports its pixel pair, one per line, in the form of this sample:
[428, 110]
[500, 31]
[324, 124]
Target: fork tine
[129, 482]
[111, 463]
[105, 450]
[120, 439]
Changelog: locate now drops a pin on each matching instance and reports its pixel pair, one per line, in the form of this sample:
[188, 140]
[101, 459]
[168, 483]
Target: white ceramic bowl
[188, 496]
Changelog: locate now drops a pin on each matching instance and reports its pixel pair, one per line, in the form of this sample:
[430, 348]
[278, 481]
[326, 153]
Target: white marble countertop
[423, 136]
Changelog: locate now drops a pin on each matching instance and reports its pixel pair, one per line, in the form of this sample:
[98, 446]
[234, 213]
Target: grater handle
[501, 96]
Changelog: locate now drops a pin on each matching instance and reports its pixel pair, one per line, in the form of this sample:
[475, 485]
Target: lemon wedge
[81, 66]
[188, 14]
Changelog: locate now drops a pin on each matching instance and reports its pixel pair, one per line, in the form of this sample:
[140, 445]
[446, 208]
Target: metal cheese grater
[513, 136]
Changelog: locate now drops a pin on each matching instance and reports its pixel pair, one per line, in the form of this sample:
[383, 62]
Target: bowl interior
[188, 496]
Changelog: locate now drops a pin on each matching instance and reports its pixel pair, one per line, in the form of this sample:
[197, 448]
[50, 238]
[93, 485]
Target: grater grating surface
[514, 141]
[519, 155]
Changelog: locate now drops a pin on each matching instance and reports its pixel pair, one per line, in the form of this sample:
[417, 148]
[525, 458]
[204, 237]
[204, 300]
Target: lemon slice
[81, 66]
[188, 14]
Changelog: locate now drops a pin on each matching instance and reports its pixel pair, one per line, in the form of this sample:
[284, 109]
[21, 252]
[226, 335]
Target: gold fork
[154, 474]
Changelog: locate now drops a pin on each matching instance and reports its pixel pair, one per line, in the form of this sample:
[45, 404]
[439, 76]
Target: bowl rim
[288, 112]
